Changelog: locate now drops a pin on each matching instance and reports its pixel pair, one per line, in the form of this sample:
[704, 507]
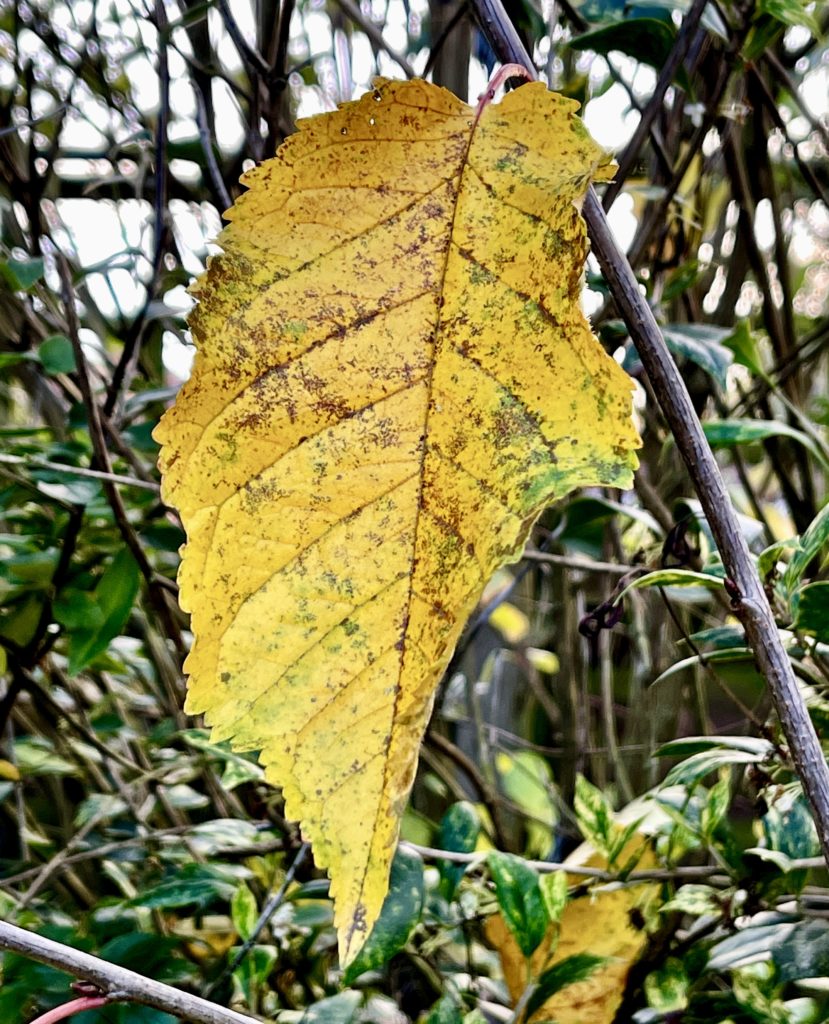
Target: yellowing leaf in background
[600, 922]
[393, 378]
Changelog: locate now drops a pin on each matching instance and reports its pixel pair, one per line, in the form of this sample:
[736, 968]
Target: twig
[680, 48]
[93, 474]
[750, 601]
[130, 349]
[376, 36]
[51, 866]
[523, 1001]
[270, 908]
[214, 174]
[574, 562]
[104, 850]
[777, 119]
[460, 13]
[547, 867]
[116, 983]
[488, 793]
[253, 58]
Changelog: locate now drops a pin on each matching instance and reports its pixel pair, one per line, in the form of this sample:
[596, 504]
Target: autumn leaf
[393, 377]
[606, 922]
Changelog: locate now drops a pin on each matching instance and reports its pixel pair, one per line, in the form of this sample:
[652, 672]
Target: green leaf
[577, 967]
[238, 771]
[527, 780]
[114, 595]
[100, 807]
[674, 578]
[679, 281]
[56, 355]
[648, 40]
[728, 656]
[803, 953]
[697, 766]
[140, 951]
[22, 620]
[401, 912]
[790, 12]
[252, 973]
[519, 897]
[35, 756]
[460, 827]
[702, 344]
[813, 611]
[22, 274]
[77, 610]
[789, 827]
[195, 885]
[768, 559]
[554, 891]
[716, 807]
[808, 547]
[8, 359]
[747, 945]
[594, 816]
[694, 744]
[695, 900]
[718, 638]
[763, 33]
[444, 1011]
[339, 1009]
[31, 567]
[743, 344]
[727, 433]
[667, 987]
[244, 912]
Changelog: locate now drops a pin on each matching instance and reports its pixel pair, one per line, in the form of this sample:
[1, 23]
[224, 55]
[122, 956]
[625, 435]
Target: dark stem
[666, 76]
[271, 906]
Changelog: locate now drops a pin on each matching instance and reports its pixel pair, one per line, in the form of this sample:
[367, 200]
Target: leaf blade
[328, 419]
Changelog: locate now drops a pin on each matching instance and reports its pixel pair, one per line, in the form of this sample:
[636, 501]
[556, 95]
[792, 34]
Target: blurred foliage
[604, 671]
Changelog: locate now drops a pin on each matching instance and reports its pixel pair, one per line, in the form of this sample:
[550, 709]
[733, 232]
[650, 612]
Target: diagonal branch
[376, 36]
[116, 983]
[750, 603]
[684, 39]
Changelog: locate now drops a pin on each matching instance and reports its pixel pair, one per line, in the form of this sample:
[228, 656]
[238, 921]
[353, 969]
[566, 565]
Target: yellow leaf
[393, 377]
[511, 622]
[600, 922]
[9, 771]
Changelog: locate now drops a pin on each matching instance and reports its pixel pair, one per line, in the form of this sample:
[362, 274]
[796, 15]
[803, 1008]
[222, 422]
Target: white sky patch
[610, 119]
[814, 91]
[177, 355]
[622, 220]
[764, 225]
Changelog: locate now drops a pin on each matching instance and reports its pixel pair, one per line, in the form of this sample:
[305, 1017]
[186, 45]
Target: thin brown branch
[684, 38]
[376, 36]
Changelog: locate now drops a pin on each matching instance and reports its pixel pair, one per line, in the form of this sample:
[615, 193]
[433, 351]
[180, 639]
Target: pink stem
[73, 1007]
[501, 75]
